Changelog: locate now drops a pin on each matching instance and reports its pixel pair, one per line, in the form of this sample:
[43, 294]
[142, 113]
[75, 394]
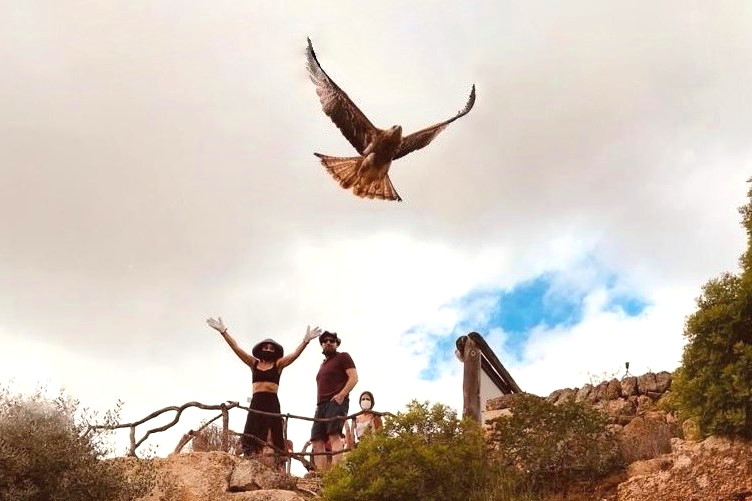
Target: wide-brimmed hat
[327, 334]
[277, 348]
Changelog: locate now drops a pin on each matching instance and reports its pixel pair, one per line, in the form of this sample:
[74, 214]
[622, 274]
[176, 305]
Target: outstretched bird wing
[340, 108]
[423, 138]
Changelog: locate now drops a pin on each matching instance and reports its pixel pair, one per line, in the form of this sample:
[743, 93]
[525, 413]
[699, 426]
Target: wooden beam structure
[484, 376]
[471, 381]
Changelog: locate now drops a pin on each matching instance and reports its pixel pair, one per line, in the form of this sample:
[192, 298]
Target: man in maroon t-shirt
[336, 378]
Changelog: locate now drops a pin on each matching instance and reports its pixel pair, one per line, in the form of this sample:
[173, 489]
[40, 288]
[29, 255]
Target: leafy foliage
[46, 454]
[423, 454]
[553, 446]
[714, 383]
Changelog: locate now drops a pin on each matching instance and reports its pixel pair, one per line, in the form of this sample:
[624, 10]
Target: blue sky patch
[632, 306]
[442, 354]
[550, 300]
[532, 303]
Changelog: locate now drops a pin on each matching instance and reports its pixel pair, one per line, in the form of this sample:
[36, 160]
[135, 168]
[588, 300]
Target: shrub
[46, 455]
[553, 446]
[714, 383]
[423, 454]
[210, 439]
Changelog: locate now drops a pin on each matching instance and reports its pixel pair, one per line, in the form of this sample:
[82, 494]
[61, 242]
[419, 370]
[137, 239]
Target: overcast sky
[157, 169]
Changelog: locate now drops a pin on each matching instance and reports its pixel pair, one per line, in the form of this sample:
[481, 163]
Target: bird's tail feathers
[381, 189]
[345, 171]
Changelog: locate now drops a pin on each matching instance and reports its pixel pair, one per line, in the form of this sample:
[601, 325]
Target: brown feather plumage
[368, 174]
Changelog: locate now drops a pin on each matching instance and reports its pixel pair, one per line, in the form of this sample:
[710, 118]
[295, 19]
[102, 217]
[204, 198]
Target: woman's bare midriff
[265, 386]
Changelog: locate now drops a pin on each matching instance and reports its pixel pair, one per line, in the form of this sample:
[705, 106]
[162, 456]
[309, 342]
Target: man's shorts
[322, 429]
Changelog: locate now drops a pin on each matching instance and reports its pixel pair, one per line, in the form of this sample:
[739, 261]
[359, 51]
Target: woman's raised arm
[217, 325]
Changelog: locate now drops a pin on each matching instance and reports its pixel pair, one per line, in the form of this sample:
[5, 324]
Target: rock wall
[621, 399]
[663, 466]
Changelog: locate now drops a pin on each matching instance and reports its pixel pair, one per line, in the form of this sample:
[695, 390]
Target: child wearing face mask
[366, 421]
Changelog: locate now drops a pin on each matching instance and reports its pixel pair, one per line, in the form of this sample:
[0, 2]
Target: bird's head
[396, 132]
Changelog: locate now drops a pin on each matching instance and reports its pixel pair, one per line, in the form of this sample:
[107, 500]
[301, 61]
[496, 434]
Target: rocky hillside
[665, 463]
[713, 469]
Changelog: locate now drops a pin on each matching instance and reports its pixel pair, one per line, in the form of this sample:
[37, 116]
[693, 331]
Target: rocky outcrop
[712, 470]
[622, 400]
[218, 476]
[663, 466]
[647, 436]
[643, 431]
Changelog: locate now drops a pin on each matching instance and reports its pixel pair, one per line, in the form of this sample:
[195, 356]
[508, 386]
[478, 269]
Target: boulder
[644, 404]
[218, 476]
[583, 393]
[554, 396]
[252, 475]
[646, 383]
[647, 436]
[599, 392]
[491, 415]
[566, 395]
[629, 386]
[502, 402]
[616, 409]
[663, 381]
[613, 390]
[649, 466]
[561, 396]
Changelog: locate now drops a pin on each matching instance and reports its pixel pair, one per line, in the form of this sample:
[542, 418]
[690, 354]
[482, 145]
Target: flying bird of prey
[368, 173]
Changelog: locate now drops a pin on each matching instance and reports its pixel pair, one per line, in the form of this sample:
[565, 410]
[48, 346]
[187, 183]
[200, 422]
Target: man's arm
[352, 380]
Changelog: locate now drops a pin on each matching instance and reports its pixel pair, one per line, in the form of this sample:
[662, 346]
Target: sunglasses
[329, 341]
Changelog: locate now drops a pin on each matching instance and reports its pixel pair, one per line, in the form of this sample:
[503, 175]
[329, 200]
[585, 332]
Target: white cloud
[158, 170]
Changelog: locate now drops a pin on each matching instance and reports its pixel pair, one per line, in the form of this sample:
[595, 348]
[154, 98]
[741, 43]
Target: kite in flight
[368, 173]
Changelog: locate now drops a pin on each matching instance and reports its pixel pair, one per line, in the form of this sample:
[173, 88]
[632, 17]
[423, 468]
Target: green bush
[714, 383]
[553, 446]
[423, 454]
[46, 455]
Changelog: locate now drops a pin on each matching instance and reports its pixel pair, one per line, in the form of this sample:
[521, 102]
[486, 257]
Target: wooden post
[225, 429]
[132, 450]
[183, 441]
[288, 461]
[471, 381]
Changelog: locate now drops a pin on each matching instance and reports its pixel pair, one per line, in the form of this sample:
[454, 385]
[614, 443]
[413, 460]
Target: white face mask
[365, 404]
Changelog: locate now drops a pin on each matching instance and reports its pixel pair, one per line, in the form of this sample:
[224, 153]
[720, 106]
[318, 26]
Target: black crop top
[267, 376]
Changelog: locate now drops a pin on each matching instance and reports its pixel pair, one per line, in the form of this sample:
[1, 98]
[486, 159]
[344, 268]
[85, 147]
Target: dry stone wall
[643, 430]
[622, 400]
